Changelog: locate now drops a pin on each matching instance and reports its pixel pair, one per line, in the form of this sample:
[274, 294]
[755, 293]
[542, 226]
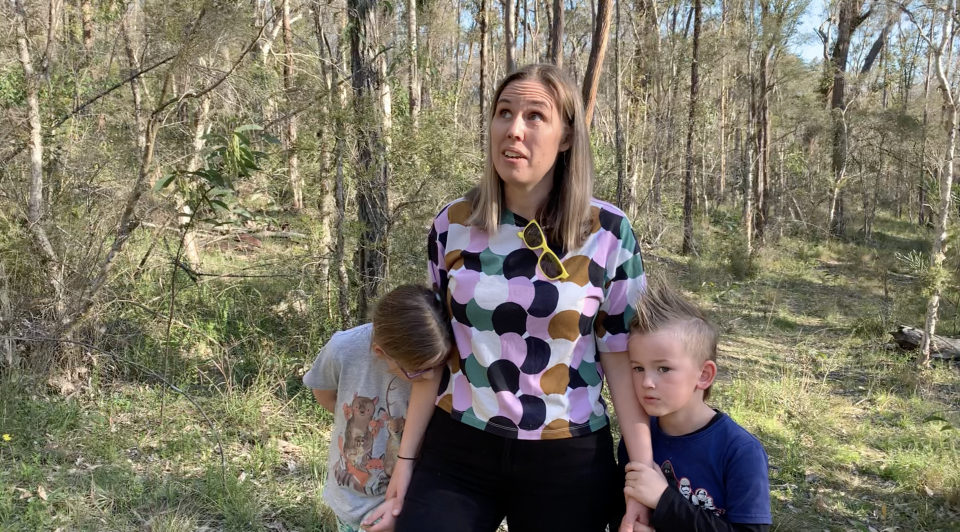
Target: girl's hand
[381, 519]
[399, 482]
[645, 484]
[636, 518]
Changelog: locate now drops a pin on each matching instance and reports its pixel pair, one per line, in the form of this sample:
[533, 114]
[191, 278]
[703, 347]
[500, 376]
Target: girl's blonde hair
[566, 218]
[661, 307]
[410, 326]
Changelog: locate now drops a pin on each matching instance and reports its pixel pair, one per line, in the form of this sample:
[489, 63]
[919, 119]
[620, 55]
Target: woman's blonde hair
[566, 217]
[410, 326]
[661, 307]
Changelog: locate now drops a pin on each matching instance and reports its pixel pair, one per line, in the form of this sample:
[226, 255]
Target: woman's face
[526, 134]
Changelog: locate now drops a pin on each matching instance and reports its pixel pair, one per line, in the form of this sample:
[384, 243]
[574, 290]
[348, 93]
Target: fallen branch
[941, 347]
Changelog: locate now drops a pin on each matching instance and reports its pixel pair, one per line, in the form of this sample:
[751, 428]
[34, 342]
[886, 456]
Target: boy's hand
[399, 482]
[381, 519]
[645, 484]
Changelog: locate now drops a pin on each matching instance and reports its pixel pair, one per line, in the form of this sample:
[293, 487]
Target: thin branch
[63, 119]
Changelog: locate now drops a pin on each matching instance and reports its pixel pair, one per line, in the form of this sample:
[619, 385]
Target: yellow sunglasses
[533, 237]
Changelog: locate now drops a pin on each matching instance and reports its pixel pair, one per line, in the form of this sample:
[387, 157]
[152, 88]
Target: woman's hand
[645, 484]
[399, 482]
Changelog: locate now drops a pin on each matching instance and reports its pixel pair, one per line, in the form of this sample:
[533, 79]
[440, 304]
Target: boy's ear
[708, 373]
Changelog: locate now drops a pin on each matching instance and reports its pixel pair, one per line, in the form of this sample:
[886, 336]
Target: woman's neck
[526, 201]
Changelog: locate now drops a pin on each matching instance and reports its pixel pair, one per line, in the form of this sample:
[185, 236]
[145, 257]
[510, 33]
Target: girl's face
[407, 374]
[527, 134]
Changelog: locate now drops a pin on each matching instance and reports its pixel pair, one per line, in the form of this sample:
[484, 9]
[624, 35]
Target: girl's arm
[326, 398]
[634, 422]
[423, 397]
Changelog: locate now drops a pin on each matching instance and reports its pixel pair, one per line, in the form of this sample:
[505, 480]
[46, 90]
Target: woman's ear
[566, 142]
[708, 373]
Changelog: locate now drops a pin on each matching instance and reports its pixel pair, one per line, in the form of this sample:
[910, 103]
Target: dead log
[941, 347]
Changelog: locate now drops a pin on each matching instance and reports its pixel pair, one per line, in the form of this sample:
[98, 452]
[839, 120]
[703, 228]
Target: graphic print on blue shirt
[700, 497]
[720, 468]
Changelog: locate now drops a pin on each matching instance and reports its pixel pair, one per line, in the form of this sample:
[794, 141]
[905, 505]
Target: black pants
[468, 480]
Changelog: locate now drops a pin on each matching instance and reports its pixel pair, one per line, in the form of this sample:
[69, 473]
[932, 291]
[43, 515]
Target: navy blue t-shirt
[720, 468]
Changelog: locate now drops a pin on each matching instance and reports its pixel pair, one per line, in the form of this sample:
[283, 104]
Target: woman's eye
[535, 116]
[505, 113]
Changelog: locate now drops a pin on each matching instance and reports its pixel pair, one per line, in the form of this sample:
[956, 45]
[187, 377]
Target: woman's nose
[515, 129]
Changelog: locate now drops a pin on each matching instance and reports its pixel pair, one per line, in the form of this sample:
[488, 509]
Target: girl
[363, 377]
[537, 277]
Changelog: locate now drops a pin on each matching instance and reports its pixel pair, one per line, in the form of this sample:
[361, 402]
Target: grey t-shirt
[370, 414]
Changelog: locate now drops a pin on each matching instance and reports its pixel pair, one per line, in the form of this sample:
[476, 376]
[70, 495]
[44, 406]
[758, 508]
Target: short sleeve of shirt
[747, 485]
[626, 282]
[436, 252]
[324, 374]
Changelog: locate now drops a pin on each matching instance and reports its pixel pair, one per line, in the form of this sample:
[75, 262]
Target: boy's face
[665, 377]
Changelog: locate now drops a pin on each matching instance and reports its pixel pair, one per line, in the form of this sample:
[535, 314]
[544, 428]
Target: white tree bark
[938, 253]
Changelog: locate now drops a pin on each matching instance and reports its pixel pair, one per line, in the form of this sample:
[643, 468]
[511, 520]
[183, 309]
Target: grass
[858, 438]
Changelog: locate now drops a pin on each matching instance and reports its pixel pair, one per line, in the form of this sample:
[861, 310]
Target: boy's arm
[634, 424]
[326, 398]
[676, 514]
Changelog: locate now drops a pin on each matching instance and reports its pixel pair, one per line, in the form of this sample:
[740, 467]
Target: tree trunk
[35, 214]
[509, 34]
[7, 352]
[414, 88]
[338, 264]
[688, 192]
[293, 160]
[556, 34]
[938, 252]
[482, 23]
[921, 186]
[86, 21]
[849, 20]
[191, 249]
[367, 68]
[762, 173]
[621, 170]
[598, 49]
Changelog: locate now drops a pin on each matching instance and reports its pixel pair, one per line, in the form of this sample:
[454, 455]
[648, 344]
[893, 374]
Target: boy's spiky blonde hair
[662, 307]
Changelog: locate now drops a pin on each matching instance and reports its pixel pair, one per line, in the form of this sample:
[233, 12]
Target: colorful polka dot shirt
[526, 356]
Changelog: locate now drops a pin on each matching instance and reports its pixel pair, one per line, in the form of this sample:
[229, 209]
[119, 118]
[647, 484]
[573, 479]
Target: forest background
[194, 195]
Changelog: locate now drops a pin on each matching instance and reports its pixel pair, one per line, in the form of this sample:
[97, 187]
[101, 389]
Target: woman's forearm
[634, 422]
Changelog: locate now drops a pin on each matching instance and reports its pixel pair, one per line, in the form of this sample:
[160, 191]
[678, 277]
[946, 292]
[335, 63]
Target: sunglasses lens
[532, 236]
[550, 266]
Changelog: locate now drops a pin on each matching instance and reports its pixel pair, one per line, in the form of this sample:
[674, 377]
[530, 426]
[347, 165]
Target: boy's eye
[663, 369]
[535, 116]
[638, 369]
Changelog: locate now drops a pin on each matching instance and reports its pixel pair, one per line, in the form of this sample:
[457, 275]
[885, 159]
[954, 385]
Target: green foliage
[12, 92]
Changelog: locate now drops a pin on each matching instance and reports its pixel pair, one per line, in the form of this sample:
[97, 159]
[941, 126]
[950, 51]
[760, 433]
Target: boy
[710, 474]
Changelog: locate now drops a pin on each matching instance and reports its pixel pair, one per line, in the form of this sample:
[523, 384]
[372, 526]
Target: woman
[538, 278]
